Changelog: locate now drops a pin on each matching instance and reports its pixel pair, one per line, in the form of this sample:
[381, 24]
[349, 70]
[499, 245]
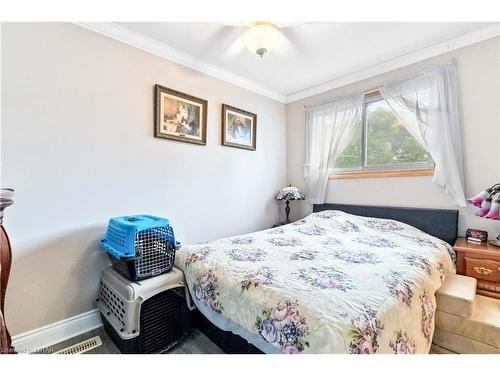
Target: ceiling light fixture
[261, 38]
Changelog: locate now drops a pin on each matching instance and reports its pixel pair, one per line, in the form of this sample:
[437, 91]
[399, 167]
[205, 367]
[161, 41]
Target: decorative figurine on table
[6, 199]
[287, 194]
[488, 202]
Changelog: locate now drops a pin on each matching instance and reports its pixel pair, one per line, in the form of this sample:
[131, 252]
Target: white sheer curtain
[329, 129]
[427, 105]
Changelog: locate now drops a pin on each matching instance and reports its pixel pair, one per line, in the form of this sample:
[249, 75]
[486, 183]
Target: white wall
[78, 148]
[478, 71]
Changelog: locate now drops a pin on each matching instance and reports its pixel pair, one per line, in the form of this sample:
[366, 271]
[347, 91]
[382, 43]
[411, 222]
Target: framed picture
[179, 116]
[239, 128]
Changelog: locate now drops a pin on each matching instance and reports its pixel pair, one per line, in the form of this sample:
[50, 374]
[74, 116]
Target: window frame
[387, 170]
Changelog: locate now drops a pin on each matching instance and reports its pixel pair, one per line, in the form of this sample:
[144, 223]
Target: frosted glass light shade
[261, 38]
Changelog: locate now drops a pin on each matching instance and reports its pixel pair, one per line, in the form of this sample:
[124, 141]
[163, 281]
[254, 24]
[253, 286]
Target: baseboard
[54, 333]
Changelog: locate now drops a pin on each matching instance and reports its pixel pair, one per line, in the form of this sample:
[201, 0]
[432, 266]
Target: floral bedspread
[330, 283]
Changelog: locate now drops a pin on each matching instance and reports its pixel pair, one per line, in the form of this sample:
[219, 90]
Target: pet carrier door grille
[163, 321]
[158, 254]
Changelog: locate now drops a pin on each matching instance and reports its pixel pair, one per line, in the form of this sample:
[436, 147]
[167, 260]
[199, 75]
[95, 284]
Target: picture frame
[180, 116]
[238, 128]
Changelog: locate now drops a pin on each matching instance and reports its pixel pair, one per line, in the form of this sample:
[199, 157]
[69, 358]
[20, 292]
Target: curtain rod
[372, 90]
[425, 71]
[366, 92]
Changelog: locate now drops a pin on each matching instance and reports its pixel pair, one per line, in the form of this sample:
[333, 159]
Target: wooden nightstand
[481, 261]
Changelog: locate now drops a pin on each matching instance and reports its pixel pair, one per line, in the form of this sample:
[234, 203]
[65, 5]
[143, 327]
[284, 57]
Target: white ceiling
[308, 54]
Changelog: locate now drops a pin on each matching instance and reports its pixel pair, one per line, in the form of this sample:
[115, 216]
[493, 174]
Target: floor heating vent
[82, 347]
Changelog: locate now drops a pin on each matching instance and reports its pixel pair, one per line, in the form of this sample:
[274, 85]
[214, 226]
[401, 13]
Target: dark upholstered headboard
[439, 223]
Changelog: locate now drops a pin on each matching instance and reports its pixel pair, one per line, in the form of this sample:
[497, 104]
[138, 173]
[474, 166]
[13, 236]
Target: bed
[345, 279]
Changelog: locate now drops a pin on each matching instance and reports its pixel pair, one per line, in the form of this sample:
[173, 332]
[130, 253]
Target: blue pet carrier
[140, 246]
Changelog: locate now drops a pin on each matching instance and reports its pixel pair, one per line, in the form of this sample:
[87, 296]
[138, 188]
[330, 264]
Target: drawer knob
[483, 271]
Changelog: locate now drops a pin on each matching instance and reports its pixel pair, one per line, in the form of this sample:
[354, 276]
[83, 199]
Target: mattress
[329, 283]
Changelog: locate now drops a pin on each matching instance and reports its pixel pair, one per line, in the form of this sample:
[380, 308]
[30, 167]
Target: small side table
[482, 262]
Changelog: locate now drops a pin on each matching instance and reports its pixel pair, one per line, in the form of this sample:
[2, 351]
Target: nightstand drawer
[483, 269]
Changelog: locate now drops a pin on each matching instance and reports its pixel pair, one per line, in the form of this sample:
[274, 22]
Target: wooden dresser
[5, 262]
[6, 200]
[481, 261]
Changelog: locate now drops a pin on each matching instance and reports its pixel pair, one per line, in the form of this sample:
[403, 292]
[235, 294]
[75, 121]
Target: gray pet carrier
[148, 316]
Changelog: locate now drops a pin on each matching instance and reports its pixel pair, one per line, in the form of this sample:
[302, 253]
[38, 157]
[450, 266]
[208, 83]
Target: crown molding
[147, 44]
[140, 41]
[449, 45]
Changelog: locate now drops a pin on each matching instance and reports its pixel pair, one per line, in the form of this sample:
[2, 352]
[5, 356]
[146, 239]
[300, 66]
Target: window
[381, 146]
